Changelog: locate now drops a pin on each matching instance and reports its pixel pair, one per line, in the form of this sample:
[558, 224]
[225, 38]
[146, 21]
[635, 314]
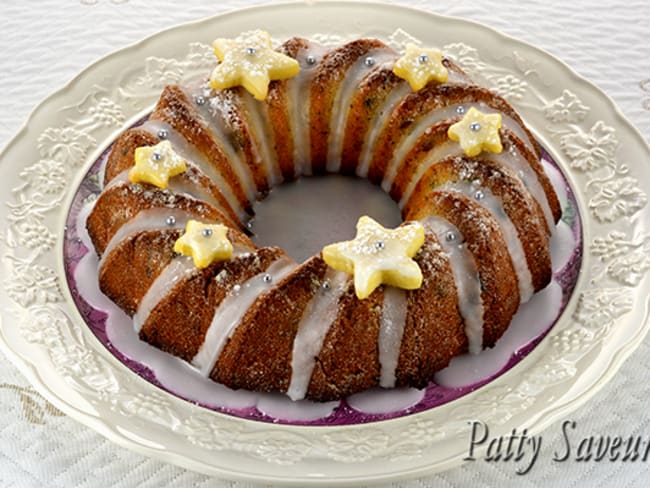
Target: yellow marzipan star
[156, 164]
[477, 132]
[250, 61]
[419, 66]
[204, 243]
[378, 255]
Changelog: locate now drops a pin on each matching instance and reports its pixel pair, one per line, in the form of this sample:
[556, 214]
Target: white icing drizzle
[258, 118]
[466, 278]
[493, 204]
[524, 171]
[457, 78]
[173, 273]
[379, 400]
[391, 330]
[81, 224]
[195, 189]
[175, 186]
[341, 105]
[436, 154]
[196, 159]
[530, 321]
[230, 311]
[299, 101]
[512, 125]
[148, 219]
[119, 179]
[214, 123]
[101, 172]
[280, 406]
[561, 246]
[558, 182]
[377, 125]
[316, 320]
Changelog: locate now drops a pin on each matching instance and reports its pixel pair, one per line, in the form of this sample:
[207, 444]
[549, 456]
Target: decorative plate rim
[605, 320]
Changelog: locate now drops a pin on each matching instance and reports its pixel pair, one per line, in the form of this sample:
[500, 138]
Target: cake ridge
[229, 203]
[318, 317]
[230, 311]
[466, 279]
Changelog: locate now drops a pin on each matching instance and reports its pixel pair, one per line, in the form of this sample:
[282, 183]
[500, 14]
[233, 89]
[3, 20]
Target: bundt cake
[457, 158]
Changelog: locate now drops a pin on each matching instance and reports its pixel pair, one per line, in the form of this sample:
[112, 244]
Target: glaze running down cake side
[477, 207]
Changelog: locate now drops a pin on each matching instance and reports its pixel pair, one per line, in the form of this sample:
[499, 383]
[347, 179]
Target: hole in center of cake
[304, 216]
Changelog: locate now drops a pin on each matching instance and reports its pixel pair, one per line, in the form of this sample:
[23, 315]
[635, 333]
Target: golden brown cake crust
[145, 254]
[437, 137]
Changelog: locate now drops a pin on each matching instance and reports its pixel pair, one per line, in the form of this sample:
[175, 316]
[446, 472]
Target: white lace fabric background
[44, 44]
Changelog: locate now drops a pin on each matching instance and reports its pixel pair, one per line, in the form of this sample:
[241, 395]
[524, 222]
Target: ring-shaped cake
[253, 318]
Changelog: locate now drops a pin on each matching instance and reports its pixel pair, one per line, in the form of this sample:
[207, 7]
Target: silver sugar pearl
[250, 51]
[423, 59]
[267, 278]
[236, 288]
[475, 126]
[479, 195]
[163, 134]
[380, 245]
[369, 61]
[249, 224]
[171, 220]
[450, 236]
[460, 109]
[311, 60]
[156, 156]
[200, 100]
[326, 285]
[206, 232]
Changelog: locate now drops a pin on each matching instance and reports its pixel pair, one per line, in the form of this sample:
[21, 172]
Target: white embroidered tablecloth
[44, 44]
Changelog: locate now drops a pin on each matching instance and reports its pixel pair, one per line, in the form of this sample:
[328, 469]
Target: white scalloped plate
[605, 160]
